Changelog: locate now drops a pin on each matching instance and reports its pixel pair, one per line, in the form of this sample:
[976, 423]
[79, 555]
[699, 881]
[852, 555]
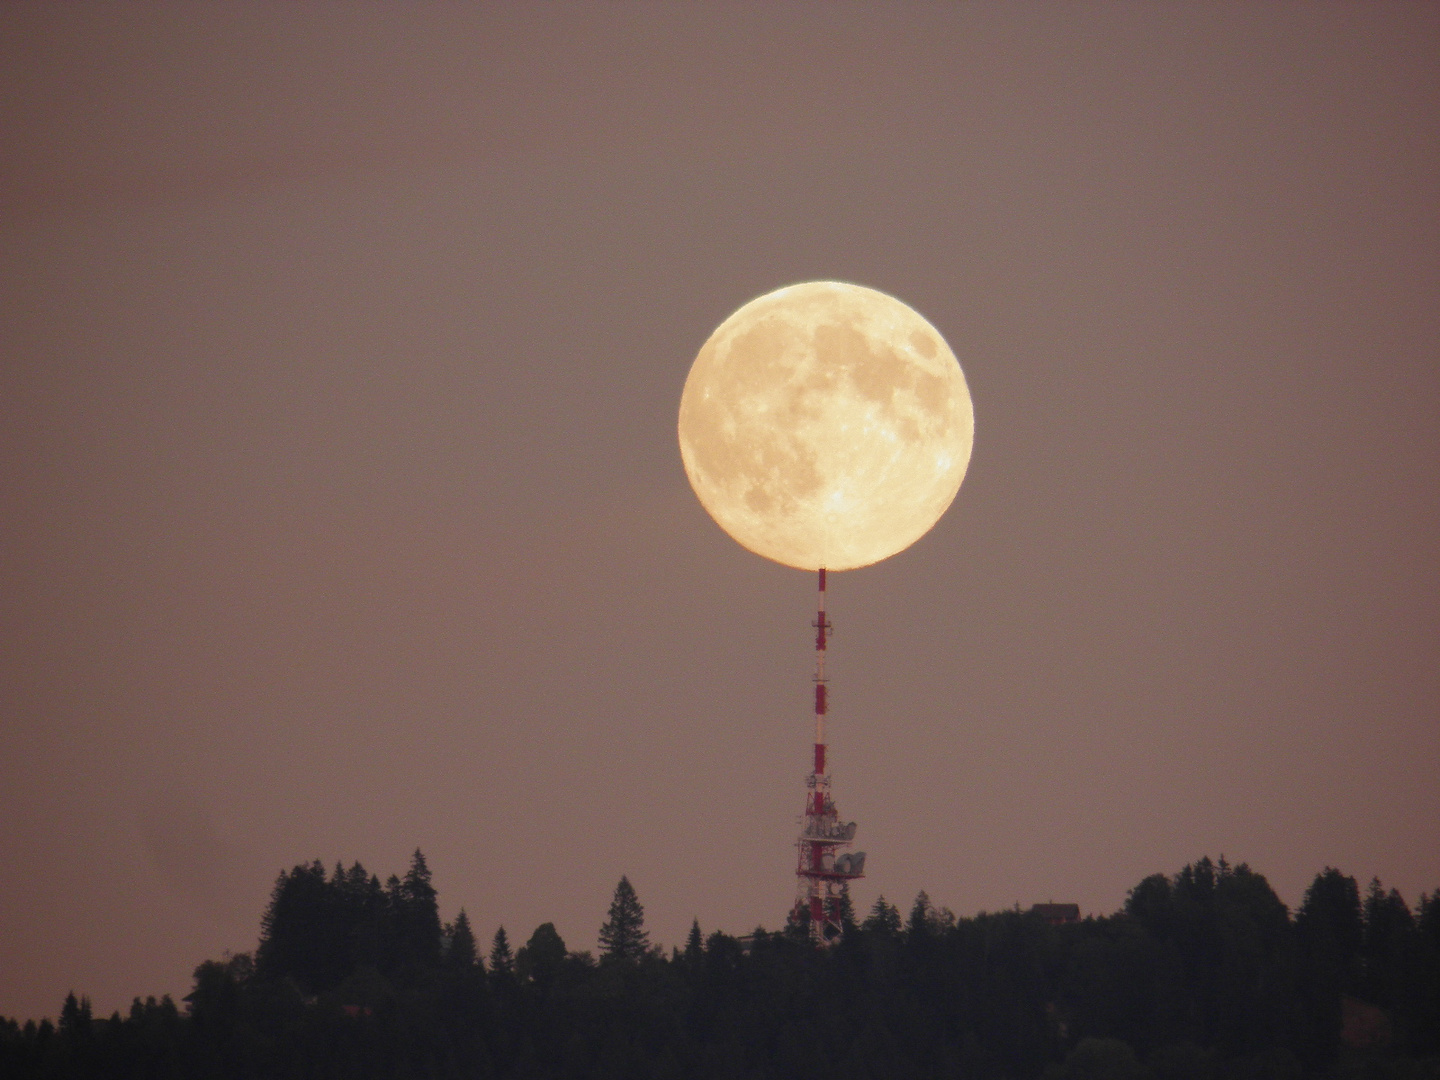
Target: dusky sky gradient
[341, 509]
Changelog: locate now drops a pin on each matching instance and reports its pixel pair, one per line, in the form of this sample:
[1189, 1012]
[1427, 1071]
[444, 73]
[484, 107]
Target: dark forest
[1202, 974]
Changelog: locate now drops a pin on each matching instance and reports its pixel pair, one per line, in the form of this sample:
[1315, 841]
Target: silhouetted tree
[918, 925]
[418, 915]
[362, 911]
[1424, 994]
[1150, 903]
[1386, 946]
[1203, 976]
[884, 918]
[75, 1016]
[797, 923]
[502, 962]
[694, 954]
[301, 937]
[623, 936]
[540, 959]
[1331, 925]
[460, 943]
[1330, 930]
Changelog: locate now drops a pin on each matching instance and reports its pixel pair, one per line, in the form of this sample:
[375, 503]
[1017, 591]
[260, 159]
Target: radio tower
[821, 872]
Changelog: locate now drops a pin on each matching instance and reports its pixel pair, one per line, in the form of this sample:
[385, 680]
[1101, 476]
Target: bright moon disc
[826, 425]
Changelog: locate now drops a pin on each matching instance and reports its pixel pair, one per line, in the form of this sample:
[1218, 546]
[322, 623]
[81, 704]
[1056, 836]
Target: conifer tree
[460, 952]
[797, 923]
[1387, 945]
[1425, 987]
[884, 918]
[362, 902]
[694, 953]
[919, 923]
[298, 933]
[1329, 933]
[623, 935]
[75, 1016]
[502, 962]
[419, 913]
[1331, 927]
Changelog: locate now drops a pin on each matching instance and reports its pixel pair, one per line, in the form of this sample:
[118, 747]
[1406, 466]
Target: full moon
[826, 425]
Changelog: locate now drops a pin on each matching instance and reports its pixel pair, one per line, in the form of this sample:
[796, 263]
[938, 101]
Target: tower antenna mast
[821, 872]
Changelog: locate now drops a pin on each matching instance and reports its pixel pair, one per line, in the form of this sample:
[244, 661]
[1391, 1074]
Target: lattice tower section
[823, 869]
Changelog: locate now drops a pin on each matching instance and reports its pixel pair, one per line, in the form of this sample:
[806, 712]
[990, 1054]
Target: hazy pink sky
[341, 510]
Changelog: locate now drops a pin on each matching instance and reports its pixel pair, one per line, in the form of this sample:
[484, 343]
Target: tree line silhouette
[1202, 975]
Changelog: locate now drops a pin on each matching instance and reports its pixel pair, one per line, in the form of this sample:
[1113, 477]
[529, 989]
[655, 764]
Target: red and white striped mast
[821, 872]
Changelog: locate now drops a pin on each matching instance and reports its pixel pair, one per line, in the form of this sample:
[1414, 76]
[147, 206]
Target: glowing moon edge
[826, 425]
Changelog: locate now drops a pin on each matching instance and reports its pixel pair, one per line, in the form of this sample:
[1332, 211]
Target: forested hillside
[1203, 974]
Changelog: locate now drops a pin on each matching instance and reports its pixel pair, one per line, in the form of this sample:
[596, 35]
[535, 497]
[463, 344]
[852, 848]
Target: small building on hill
[1057, 914]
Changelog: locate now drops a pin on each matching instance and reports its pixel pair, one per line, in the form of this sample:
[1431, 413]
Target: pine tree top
[623, 936]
